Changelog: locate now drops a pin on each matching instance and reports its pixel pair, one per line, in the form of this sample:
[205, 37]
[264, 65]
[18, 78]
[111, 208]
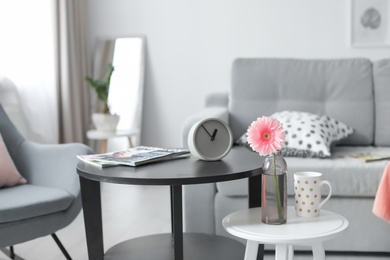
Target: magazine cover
[134, 156]
[371, 157]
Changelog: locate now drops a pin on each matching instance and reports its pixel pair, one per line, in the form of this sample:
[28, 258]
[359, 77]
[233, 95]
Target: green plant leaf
[102, 87]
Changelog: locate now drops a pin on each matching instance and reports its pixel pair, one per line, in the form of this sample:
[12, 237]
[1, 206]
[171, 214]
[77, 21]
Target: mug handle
[330, 192]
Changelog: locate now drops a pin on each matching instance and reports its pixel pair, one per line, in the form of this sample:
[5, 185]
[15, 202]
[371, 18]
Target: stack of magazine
[134, 156]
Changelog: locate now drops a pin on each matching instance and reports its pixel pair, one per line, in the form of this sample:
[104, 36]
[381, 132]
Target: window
[27, 58]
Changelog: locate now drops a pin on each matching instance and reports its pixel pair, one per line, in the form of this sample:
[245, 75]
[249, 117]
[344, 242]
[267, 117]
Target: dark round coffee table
[239, 163]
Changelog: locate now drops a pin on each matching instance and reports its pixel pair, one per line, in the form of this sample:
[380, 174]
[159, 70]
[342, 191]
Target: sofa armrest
[51, 165]
[199, 208]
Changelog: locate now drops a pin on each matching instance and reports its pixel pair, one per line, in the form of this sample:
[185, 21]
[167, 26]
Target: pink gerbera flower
[266, 135]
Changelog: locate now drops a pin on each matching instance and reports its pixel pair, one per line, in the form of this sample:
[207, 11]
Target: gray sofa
[353, 91]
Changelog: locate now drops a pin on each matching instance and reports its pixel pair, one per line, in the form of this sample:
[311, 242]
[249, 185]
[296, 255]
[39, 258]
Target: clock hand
[206, 130]
[211, 136]
[214, 134]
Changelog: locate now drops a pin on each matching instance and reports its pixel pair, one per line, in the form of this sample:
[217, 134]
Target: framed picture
[369, 23]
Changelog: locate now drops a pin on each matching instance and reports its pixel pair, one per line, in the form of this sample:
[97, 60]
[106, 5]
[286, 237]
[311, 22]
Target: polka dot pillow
[310, 135]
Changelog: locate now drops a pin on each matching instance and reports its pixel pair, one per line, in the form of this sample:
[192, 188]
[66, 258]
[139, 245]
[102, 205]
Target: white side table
[312, 232]
[104, 136]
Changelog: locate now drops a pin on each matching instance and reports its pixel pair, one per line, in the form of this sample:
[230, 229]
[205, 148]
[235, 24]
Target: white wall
[191, 45]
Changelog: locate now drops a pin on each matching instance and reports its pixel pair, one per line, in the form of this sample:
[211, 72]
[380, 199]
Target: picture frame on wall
[369, 23]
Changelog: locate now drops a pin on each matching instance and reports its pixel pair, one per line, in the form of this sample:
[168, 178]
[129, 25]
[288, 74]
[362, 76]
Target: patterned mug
[307, 190]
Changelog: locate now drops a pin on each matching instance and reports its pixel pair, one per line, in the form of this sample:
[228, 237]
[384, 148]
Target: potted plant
[105, 121]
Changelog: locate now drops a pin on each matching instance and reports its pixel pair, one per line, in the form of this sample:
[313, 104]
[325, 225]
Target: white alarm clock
[210, 139]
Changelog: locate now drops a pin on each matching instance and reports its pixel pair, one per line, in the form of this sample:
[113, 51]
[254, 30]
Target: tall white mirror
[126, 87]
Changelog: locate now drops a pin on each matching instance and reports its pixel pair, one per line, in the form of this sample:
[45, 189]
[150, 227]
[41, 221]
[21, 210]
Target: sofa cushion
[382, 102]
[350, 177]
[28, 201]
[310, 135]
[337, 87]
[9, 175]
[307, 134]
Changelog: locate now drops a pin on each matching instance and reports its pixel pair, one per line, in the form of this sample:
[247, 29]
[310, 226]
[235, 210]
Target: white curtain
[26, 58]
[43, 53]
[73, 92]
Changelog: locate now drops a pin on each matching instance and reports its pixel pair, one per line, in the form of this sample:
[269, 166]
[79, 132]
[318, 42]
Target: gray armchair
[51, 198]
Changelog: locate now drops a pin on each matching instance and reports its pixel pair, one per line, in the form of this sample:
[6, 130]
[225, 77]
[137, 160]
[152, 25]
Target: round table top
[100, 135]
[298, 230]
[239, 163]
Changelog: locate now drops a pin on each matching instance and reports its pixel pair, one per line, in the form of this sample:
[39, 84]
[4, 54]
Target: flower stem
[276, 184]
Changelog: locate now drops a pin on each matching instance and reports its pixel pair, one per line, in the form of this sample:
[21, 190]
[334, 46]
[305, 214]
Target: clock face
[212, 139]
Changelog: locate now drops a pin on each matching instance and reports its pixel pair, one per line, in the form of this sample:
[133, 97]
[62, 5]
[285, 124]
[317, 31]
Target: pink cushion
[9, 175]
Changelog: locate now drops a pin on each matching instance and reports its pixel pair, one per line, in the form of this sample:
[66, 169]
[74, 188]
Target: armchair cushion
[29, 201]
[9, 175]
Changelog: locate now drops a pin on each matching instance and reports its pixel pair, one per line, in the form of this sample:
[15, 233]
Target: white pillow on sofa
[310, 135]
[307, 134]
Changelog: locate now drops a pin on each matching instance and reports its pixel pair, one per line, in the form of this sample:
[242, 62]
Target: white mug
[307, 190]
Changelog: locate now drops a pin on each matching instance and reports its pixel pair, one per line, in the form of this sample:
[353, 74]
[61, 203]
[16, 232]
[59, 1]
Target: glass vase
[274, 190]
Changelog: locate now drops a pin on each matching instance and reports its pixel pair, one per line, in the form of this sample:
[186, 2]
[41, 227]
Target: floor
[128, 212]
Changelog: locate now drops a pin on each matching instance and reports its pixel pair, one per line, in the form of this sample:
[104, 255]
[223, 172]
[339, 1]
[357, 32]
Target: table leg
[318, 251]
[251, 250]
[281, 252]
[290, 252]
[92, 209]
[177, 220]
[254, 187]
[104, 146]
[130, 142]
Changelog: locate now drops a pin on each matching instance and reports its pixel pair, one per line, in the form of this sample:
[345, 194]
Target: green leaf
[102, 87]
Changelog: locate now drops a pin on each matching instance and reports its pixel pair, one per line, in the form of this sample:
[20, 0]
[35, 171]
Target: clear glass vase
[274, 190]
